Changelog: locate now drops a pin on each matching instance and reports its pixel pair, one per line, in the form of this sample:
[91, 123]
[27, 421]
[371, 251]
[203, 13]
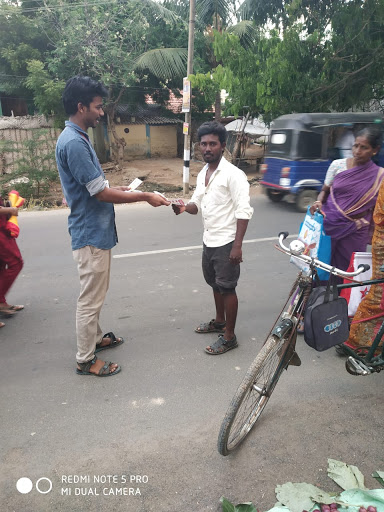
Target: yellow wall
[164, 141]
[136, 140]
[161, 143]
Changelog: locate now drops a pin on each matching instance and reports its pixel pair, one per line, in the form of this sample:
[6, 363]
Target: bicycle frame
[360, 361]
[278, 352]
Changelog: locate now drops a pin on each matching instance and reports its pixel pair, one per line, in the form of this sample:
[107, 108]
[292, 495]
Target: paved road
[151, 431]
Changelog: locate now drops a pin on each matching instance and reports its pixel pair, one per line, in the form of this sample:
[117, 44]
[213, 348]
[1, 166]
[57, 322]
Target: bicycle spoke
[254, 393]
[256, 397]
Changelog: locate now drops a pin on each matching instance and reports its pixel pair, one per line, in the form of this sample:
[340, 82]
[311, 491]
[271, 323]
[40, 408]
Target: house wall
[164, 141]
[146, 141]
[137, 145]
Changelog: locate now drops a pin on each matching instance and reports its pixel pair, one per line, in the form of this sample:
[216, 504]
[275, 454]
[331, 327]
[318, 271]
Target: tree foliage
[21, 39]
[124, 44]
[47, 92]
[111, 42]
[275, 57]
[322, 56]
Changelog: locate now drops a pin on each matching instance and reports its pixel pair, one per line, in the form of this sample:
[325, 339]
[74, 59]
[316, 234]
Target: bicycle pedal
[295, 360]
[356, 367]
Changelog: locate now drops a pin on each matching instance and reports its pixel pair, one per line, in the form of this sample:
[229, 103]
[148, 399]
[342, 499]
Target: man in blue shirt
[91, 222]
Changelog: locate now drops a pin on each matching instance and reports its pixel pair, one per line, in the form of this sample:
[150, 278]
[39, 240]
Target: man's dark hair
[214, 128]
[81, 89]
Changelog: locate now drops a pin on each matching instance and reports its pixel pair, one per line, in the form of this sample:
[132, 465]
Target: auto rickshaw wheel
[274, 195]
[305, 198]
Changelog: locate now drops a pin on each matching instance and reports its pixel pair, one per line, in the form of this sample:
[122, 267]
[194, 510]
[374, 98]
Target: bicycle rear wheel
[255, 390]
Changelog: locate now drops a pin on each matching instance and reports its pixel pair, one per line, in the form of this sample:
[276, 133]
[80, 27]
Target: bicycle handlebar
[296, 249]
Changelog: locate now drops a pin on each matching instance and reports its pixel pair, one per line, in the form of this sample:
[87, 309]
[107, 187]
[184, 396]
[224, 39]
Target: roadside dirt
[163, 175]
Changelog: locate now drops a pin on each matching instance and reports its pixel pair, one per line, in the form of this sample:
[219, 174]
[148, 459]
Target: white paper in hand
[135, 183]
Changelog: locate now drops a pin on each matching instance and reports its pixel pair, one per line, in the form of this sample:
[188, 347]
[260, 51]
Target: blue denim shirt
[91, 222]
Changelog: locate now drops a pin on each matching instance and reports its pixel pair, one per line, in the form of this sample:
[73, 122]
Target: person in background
[222, 195]
[345, 142]
[91, 221]
[348, 198]
[11, 261]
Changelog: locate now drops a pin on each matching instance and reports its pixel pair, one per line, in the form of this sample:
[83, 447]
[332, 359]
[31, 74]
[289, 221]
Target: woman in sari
[348, 198]
[11, 261]
[370, 313]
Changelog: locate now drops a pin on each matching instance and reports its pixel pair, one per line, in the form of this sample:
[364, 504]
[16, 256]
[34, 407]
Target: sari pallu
[352, 199]
[370, 313]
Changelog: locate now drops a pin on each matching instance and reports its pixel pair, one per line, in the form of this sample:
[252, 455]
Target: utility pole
[188, 116]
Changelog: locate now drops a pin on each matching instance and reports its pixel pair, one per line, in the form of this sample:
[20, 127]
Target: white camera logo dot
[43, 485]
[44, 491]
[24, 485]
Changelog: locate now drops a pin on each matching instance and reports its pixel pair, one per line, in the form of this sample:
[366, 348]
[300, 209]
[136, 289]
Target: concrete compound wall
[12, 140]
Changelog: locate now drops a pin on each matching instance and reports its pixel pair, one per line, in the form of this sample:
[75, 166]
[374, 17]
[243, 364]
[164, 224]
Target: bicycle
[279, 351]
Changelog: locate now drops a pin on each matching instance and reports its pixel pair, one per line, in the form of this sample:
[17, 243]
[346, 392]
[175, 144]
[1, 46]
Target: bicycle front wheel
[254, 392]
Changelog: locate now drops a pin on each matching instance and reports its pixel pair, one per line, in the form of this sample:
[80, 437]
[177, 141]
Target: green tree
[322, 56]
[22, 38]
[113, 42]
[216, 16]
[47, 92]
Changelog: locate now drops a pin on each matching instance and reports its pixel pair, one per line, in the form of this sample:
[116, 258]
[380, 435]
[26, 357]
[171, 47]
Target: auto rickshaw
[301, 148]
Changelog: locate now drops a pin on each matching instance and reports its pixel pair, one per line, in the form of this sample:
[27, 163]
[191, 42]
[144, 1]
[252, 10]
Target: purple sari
[352, 199]
[349, 209]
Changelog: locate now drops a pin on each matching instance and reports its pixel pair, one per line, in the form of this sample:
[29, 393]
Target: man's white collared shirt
[224, 200]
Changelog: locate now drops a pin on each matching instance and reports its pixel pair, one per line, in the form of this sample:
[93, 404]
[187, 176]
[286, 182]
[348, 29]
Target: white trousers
[94, 266]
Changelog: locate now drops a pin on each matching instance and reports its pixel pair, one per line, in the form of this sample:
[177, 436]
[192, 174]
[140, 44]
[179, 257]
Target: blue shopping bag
[317, 243]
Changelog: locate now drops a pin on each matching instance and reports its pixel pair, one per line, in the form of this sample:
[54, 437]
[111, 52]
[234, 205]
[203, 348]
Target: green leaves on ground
[297, 497]
[242, 507]
[301, 496]
[379, 475]
[346, 476]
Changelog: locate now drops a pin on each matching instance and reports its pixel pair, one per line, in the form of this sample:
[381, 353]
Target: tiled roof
[152, 114]
[174, 104]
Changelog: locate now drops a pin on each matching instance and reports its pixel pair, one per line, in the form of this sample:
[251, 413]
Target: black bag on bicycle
[326, 317]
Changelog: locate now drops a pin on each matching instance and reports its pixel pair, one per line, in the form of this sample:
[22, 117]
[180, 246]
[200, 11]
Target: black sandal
[211, 326]
[114, 342]
[221, 346]
[103, 372]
